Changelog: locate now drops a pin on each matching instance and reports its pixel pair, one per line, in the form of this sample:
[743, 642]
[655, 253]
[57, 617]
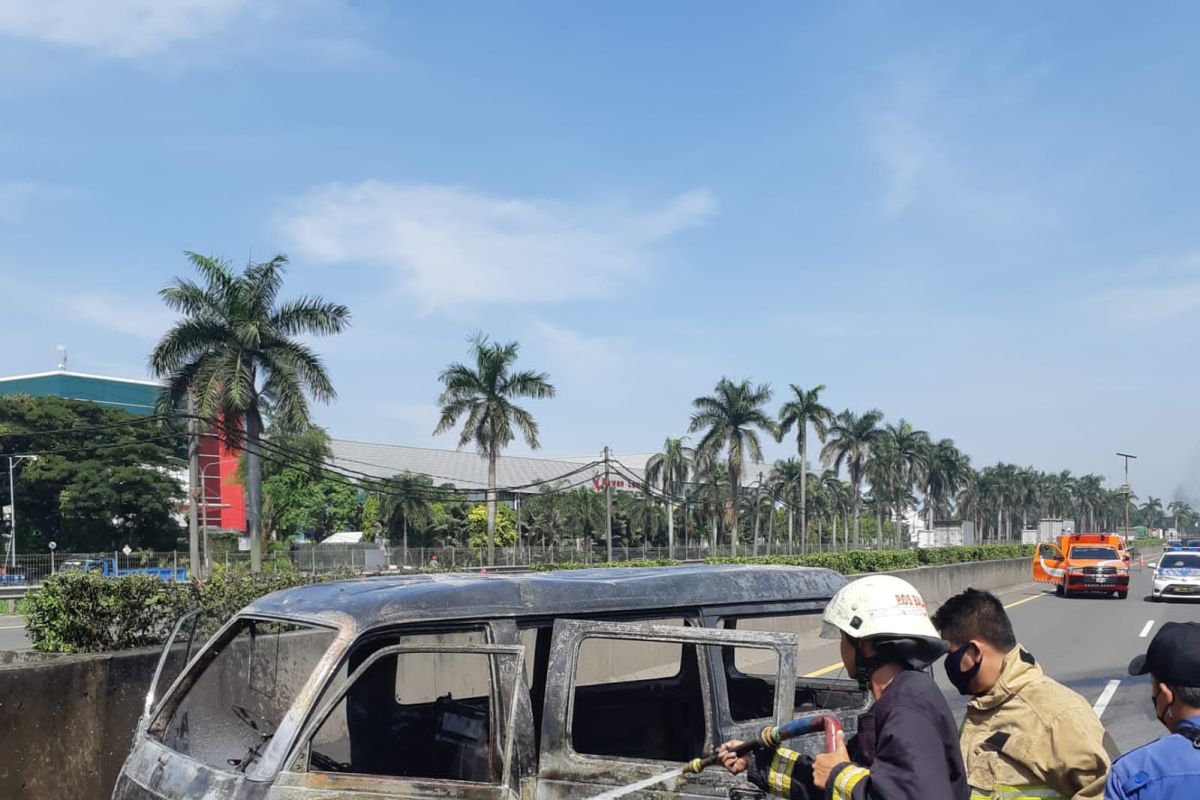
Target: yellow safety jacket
[1031, 737]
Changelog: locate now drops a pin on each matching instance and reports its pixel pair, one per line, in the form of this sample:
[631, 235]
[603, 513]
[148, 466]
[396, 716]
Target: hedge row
[80, 612]
[850, 562]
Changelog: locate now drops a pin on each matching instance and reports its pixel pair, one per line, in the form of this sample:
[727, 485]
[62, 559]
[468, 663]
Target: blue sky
[982, 219]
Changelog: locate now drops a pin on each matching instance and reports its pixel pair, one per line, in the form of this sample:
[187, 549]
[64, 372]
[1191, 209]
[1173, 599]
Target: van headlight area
[1176, 583]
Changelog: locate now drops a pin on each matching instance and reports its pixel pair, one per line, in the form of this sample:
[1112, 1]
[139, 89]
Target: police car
[1177, 574]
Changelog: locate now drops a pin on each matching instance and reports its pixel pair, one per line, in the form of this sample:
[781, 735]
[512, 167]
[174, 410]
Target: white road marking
[11, 627]
[1105, 696]
[1146, 629]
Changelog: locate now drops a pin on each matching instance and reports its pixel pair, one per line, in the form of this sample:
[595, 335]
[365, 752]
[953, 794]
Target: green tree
[235, 351]
[731, 418]
[1152, 512]
[669, 471]
[946, 474]
[488, 530]
[369, 522]
[910, 452]
[404, 502]
[787, 483]
[484, 394]
[850, 439]
[295, 502]
[803, 409]
[103, 478]
[1182, 513]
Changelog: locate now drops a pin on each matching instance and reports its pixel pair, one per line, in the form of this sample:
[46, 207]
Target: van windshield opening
[226, 711]
[1094, 552]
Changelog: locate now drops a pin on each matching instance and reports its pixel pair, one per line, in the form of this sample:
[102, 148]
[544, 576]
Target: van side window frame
[560, 762]
[513, 714]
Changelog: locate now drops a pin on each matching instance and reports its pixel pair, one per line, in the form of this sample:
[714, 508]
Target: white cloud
[123, 28]
[450, 246]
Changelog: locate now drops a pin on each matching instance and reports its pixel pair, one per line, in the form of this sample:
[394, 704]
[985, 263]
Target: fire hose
[773, 736]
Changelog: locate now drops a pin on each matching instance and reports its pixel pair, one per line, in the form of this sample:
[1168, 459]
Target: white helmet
[878, 606]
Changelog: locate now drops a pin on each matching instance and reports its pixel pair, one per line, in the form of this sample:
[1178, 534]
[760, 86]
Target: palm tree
[850, 439]
[669, 471]
[709, 493]
[548, 515]
[911, 455]
[947, 472]
[1179, 510]
[484, 394]
[1152, 511]
[837, 493]
[585, 511]
[729, 418]
[405, 500]
[803, 409]
[234, 352]
[787, 484]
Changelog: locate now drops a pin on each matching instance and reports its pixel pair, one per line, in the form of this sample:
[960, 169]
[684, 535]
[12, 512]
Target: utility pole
[1125, 488]
[607, 505]
[12, 503]
[757, 513]
[197, 568]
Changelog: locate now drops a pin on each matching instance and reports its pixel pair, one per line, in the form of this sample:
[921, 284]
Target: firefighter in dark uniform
[906, 747]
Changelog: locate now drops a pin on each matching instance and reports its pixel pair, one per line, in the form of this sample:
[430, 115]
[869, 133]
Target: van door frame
[563, 772]
[295, 779]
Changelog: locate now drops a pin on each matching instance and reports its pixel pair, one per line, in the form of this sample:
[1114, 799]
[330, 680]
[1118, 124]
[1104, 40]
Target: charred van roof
[389, 600]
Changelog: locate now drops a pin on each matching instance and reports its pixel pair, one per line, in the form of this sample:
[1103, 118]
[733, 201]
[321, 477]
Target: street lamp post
[1126, 456]
[204, 505]
[12, 502]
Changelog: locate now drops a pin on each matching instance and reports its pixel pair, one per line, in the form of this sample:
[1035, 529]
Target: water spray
[773, 736]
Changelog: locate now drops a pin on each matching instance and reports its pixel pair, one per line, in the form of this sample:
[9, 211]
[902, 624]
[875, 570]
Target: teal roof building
[136, 397]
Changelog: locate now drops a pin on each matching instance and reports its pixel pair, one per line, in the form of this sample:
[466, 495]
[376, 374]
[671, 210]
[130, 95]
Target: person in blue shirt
[1169, 768]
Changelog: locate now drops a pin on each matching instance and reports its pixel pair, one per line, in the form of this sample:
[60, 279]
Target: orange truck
[1084, 563]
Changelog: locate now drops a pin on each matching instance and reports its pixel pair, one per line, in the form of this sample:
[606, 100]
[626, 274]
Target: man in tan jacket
[1025, 735]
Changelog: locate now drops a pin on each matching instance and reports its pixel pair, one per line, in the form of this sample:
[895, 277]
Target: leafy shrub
[80, 612]
[847, 563]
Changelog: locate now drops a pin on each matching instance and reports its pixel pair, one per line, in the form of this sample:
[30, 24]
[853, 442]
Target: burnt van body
[550, 686]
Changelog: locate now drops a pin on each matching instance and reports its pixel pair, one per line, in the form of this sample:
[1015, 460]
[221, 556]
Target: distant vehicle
[1084, 562]
[1191, 542]
[1177, 574]
[109, 569]
[12, 578]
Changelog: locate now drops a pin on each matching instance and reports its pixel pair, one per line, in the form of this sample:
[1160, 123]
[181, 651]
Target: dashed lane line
[1146, 629]
[1105, 697]
[838, 665]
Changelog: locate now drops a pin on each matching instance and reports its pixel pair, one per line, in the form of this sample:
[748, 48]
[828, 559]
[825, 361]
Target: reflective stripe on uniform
[847, 779]
[779, 775]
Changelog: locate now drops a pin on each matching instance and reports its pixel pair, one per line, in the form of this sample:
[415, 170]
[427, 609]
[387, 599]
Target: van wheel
[1059, 590]
[1122, 595]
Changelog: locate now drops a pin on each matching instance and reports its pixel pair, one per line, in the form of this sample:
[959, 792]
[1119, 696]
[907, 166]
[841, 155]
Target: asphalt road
[12, 633]
[1085, 643]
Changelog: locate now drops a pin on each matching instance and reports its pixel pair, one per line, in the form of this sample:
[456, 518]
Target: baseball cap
[1173, 656]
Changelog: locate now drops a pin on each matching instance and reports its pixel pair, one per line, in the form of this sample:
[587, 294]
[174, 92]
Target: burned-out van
[555, 686]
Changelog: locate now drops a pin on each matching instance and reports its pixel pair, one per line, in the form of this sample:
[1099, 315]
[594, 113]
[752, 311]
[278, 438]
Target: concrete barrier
[70, 721]
[75, 715]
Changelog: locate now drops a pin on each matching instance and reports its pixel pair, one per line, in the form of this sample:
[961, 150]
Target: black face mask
[954, 671]
[1161, 717]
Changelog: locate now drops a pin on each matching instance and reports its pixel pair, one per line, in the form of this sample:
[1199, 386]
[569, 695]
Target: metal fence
[32, 568]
